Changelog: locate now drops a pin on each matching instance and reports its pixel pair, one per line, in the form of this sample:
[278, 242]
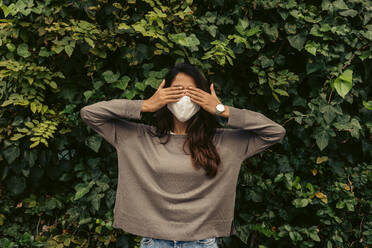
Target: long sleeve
[103, 117]
[252, 132]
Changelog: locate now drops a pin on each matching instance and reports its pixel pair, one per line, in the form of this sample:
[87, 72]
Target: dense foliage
[305, 64]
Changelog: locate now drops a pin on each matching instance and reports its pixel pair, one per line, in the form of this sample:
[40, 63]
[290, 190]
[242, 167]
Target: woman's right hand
[162, 96]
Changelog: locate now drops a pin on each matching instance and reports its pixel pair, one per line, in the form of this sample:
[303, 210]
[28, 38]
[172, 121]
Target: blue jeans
[148, 242]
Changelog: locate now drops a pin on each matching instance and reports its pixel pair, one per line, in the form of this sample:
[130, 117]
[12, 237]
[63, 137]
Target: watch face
[220, 107]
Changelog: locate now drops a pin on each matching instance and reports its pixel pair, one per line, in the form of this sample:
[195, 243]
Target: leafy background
[305, 64]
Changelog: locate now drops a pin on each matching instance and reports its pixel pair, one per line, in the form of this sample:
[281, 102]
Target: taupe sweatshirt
[159, 193]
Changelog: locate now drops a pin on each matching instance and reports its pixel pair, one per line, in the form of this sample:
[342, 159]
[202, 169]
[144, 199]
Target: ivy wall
[305, 64]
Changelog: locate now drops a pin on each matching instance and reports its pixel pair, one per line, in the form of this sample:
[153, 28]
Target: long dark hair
[201, 128]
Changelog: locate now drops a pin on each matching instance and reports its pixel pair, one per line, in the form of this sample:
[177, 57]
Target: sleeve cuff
[132, 108]
[236, 118]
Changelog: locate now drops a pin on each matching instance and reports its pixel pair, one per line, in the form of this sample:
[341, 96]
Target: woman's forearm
[225, 113]
[145, 106]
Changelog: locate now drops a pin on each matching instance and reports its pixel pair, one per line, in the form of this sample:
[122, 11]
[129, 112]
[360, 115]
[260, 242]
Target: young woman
[177, 178]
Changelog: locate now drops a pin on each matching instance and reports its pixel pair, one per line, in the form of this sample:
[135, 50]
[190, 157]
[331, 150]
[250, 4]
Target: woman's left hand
[207, 101]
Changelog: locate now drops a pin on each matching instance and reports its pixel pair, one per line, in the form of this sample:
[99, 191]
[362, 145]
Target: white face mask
[184, 109]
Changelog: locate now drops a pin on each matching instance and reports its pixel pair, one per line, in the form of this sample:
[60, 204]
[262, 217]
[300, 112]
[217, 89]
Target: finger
[172, 93]
[196, 100]
[173, 98]
[212, 89]
[197, 90]
[195, 93]
[176, 99]
[161, 86]
[175, 95]
[196, 97]
[175, 89]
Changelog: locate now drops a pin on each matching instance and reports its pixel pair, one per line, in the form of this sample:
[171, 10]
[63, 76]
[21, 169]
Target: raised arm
[252, 131]
[104, 116]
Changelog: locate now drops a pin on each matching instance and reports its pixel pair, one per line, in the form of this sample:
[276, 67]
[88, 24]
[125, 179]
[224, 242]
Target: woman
[177, 178]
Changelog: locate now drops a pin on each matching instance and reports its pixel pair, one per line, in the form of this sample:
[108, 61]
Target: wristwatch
[220, 108]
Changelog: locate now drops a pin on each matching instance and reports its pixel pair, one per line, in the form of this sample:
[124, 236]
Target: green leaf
[355, 128]
[98, 52]
[347, 75]
[110, 77]
[11, 47]
[98, 84]
[242, 25]
[271, 31]
[22, 50]
[329, 112]
[278, 178]
[311, 47]
[295, 236]
[300, 203]
[253, 31]
[322, 139]
[211, 16]
[5, 9]
[265, 61]
[349, 12]
[94, 142]
[123, 26]
[281, 92]
[314, 236]
[82, 189]
[51, 203]
[212, 30]
[340, 4]
[89, 41]
[122, 83]
[85, 221]
[129, 94]
[11, 153]
[17, 136]
[140, 85]
[297, 41]
[343, 83]
[96, 202]
[350, 206]
[183, 40]
[290, 28]
[315, 31]
[367, 34]
[367, 105]
[35, 144]
[69, 50]
[329, 244]
[340, 204]
[87, 94]
[16, 185]
[326, 5]
[256, 197]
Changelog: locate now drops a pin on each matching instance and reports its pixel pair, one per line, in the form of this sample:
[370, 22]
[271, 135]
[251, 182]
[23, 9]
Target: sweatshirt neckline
[177, 135]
